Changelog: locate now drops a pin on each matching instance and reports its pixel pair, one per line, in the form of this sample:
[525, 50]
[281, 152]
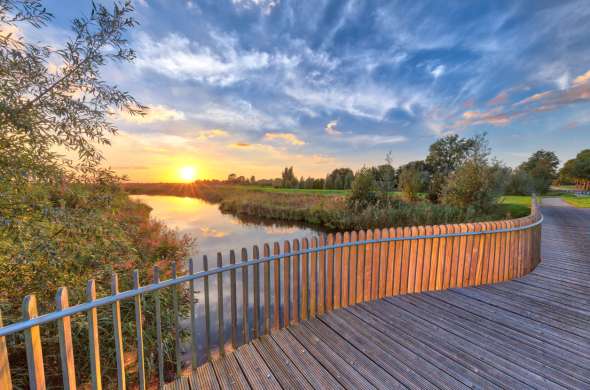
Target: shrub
[411, 182]
[364, 190]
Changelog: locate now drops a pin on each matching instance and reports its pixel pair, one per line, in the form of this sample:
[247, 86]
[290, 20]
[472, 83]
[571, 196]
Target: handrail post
[33, 345]
[139, 333]
[93, 338]
[5, 380]
[66, 347]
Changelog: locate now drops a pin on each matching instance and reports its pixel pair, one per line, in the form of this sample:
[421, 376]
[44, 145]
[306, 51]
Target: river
[214, 231]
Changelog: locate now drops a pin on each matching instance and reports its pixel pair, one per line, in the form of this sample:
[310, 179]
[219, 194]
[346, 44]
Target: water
[216, 232]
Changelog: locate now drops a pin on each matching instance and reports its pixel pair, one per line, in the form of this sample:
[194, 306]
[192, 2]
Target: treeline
[577, 171]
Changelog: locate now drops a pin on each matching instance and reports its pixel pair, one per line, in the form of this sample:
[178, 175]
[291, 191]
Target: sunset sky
[251, 86]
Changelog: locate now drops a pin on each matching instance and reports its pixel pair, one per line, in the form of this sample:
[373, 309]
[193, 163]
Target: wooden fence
[285, 284]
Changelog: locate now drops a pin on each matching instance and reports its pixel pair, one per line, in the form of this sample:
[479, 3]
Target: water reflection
[215, 231]
[218, 232]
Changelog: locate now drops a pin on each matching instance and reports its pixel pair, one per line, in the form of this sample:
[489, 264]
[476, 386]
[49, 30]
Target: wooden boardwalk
[533, 332]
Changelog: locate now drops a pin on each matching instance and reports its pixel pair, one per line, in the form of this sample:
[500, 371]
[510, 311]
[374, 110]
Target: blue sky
[249, 86]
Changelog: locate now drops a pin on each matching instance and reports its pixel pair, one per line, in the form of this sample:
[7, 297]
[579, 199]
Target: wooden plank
[382, 270]
[245, 303]
[317, 376]
[280, 365]
[276, 318]
[441, 257]
[462, 256]
[457, 250]
[229, 374]
[233, 301]
[350, 367]
[255, 369]
[345, 269]
[304, 280]
[420, 260]
[286, 284]
[405, 264]
[267, 289]
[34, 350]
[399, 255]
[337, 272]
[321, 276]
[313, 279]
[360, 267]
[368, 267]
[158, 313]
[296, 290]
[66, 347]
[138, 333]
[434, 242]
[193, 315]
[118, 335]
[449, 252]
[412, 261]
[220, 320]
[329, 297]
[207, 308]
[93, 344]
[203, 378]
[374, 270]
[256, 303]
[177, 330]
[424, 283]
[5, 379]
[390, 268]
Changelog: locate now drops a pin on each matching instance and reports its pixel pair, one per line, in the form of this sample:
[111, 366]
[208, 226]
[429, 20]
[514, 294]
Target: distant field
[296, 190]
[577, 201]
[517, 205]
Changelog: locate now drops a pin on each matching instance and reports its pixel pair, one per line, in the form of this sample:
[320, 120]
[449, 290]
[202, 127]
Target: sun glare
[188, 174]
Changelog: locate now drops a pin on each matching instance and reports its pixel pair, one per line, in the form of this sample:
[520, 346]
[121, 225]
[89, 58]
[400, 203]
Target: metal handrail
[108, 300]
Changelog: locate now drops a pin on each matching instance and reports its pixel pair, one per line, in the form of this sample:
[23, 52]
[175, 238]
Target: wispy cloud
[285, 137]
[332, 128]
[213, 133]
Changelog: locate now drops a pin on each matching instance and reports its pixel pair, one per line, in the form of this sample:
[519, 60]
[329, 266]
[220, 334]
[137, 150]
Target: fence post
[33, 345]
[118, 334]
[93, 338]
[159, 330]
[139, 333]
[66, 348]
[5, 381]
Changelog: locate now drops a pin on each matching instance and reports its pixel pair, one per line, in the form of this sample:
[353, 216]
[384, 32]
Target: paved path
[533, 332]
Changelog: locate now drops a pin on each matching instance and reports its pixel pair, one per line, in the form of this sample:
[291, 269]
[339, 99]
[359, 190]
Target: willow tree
[55, 103]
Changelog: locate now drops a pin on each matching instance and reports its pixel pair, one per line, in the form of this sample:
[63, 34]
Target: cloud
[582, 79]
[222, 62]
[500, 98]
[155, 113]
[373, 139]
[438, 71]
[266, 5]
[331, 128]
[210, 232]
[286, 137]
[213, 133]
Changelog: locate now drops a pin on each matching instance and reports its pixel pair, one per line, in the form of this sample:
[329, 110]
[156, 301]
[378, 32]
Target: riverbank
[326, 208]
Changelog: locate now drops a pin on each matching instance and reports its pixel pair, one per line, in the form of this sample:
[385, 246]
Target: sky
[252, 86]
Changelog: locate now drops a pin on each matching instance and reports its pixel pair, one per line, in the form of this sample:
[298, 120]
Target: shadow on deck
[532, 332]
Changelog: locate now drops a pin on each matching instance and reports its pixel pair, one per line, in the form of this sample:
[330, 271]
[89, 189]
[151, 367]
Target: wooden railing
[303, 279]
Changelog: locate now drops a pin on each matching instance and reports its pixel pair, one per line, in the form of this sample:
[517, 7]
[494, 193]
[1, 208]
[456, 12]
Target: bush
[475, 185]
[411, 182]
[520, 183]
[364, 190]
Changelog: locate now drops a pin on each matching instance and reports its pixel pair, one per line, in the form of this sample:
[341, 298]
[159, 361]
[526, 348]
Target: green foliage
[566, 173]
[542, 168]
[385, 176]
[581, 167]
[520, 183]
[577, 201]
[446, 155]
[364, 191]
[288, 178]
[339, 179]
[476, 185]
[412, 180]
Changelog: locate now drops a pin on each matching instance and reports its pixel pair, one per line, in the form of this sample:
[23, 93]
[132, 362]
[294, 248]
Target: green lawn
[516, 205]
[577, 201]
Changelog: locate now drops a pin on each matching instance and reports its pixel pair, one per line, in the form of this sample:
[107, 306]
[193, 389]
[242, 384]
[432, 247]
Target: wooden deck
[533, 332]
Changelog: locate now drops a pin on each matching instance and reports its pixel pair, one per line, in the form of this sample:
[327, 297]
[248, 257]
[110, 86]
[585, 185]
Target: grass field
[517, 205]
[577, 201]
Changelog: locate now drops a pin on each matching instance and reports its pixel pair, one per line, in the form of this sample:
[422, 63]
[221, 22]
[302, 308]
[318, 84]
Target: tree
[581, 169]
[413, 178]
[542, 167]
[476, 184]
[566, 174]
[364, 191]
[386, 177]
[288, 179]
[339, 179]
[520, 183]
[446, 155]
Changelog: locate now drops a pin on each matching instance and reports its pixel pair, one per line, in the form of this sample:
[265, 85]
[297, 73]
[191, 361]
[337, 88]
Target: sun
[188, 174]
